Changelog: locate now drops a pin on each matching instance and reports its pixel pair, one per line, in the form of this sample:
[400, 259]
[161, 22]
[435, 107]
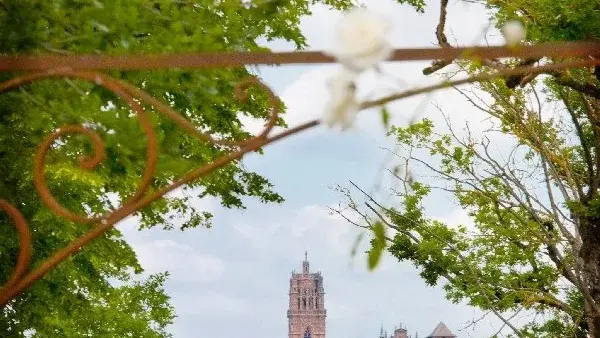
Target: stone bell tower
[306, 312]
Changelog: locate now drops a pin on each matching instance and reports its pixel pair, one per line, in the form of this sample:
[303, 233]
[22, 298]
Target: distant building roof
[441, 331]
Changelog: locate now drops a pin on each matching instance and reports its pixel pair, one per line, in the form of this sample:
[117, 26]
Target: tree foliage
[534, 204]
[80, 298]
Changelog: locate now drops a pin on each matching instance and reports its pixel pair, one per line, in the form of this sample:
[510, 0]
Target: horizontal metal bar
[233, 59]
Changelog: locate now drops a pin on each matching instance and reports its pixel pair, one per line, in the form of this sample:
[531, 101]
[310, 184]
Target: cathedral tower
[306, 312]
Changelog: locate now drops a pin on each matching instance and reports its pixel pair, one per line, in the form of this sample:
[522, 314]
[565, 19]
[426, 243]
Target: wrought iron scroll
[86, 68]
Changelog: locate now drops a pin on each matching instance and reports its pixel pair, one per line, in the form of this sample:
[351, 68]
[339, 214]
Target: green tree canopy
[78, 299]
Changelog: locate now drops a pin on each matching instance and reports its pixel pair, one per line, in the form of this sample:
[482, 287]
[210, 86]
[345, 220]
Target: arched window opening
[304, 303]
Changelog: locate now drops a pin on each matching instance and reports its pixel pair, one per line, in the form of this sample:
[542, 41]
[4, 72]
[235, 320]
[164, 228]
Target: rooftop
[441, 331]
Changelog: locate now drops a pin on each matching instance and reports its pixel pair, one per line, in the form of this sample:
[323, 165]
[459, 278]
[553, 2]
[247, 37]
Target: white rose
[513, 32]
[342, 107]
[361, 40]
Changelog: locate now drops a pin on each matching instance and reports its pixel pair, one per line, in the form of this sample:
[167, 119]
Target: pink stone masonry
[306, 311]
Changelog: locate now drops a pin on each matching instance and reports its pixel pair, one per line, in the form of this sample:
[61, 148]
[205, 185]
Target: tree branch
[594, 119]
[442, 40]
[584, 144]
[585, 88]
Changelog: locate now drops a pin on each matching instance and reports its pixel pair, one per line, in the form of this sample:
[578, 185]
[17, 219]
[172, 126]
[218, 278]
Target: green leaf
[374, 256]
[378, 245]
[385, 117]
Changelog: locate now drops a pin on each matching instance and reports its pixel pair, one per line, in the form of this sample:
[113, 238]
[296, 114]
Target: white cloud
[209, 303]
[256, 237]
[184, 263]
[341, 311]
[456, 217]
[158, 250]
[298, 226]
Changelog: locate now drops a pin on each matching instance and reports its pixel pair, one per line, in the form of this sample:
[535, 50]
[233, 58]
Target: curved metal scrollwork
[115, 87]
[24, 255]
[88, 163]
[135, 98]
[75, 67]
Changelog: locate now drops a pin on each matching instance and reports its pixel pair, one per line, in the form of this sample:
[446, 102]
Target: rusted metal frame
[74, 66]
[233, 59]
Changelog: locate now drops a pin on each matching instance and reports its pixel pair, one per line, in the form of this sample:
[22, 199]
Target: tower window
[304, 303]
[298, 303]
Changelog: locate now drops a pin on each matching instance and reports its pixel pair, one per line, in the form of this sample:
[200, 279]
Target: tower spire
[305, 266]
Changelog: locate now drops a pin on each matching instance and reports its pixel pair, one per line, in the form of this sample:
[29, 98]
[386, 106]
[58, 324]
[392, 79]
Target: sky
[232, 280]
